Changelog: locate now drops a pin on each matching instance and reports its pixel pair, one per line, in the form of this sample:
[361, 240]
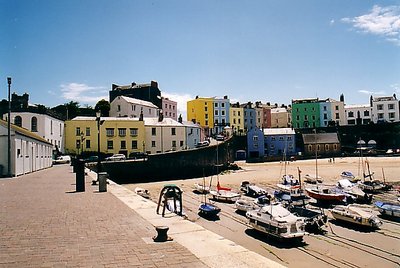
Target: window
[391, 106]
[318, 147]
[34, 124]
[351, 114]
[297, 117]
[238, 113]
[173, 131]
[122, 132]
[87, 144]
[313, 117]
[88, 131]
[181, 143]
[216, 104]
[234, 113]
[153, 131]
[206, 123]
[281, 138]
[379, 106]
[123, 144]
[324, 108]
[337, 108]
[216, 112]
[78, 131]
[173, 144]
[205, 109]
[206, 116]
[109, 132]
[326, 147]
[310, 148]
[366, 113]
[306, 117]
[51, 127]
[134, 145]
[255, 138]
[118, 108]
[166, 106]
[223, 113]
[272, 138]
[134, 132]
[222, 105]
[78, 144]
[335, 147]
[380, 116]
[289, 138]
[18, 121]
[110, 145]
[325, 116]
[391, 115]
[337, 116]
[153, 144]
[234, 120]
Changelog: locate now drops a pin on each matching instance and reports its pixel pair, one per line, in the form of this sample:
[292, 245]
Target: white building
[29, 151]
[123, 106]
[358, 114]
[332, 111]
[221, 114]
[385, 109]
[169, 108]
[194, 134]
[169, 135]
[44, 125]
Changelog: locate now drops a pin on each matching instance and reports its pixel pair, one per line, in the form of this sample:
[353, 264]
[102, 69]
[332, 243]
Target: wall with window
[385, 109]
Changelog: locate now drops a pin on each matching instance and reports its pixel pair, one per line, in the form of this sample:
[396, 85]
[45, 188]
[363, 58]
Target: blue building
[255, 143]
[279, 142]
[250, 117]
[221, 114]
[325, 112]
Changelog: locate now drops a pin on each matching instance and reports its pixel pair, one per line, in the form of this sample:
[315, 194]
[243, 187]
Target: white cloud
[83, 93]
[381, 21]
[181, 100]
[369, 92]
[332, 22]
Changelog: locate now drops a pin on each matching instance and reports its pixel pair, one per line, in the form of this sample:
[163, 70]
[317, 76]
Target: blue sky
[269, 51]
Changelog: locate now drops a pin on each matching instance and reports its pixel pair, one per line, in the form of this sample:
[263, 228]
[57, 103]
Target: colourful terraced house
[306, 113]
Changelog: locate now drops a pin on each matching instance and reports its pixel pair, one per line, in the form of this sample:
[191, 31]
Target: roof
[279, 110]
[355, 106]
[93, 118]
[137, 101]
[153, 121]
[24, 132]
[279, 131]
[320, 138]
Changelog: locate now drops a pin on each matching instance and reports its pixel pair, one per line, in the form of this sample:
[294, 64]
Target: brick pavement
[45, 223]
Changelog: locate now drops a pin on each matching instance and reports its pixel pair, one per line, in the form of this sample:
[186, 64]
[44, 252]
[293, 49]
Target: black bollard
[73, 164]
[80, 175]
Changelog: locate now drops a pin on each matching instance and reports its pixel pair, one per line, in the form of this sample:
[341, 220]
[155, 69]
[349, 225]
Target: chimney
[141, 116]
[160, 116]
[341, 98]
[114, 86]
[133, 84]
[154, 84]
[180, 118]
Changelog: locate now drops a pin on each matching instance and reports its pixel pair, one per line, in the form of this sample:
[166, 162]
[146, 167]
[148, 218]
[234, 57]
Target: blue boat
[388, 209]
[207, 209]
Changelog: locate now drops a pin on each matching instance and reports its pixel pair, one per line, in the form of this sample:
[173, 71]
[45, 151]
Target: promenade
[45, 223]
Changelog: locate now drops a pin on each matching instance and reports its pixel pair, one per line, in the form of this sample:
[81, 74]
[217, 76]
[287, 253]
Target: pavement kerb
[212, 249]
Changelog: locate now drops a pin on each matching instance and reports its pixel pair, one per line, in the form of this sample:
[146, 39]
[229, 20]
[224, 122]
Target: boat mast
[316, 155]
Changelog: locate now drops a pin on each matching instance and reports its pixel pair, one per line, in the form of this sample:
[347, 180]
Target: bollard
[73, 164]
[162, 235]
[80, 175]
[102, 178]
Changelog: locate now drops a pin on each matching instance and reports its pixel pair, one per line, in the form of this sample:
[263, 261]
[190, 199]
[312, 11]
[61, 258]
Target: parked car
[92, 158]
[63, 159]
[202, 144]
[138, 155]
[220, 137]
[116, 157]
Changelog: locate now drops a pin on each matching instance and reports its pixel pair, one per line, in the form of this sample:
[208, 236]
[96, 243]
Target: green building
[306, 113]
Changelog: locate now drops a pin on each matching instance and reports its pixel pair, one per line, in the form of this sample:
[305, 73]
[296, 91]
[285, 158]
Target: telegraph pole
[9, 129]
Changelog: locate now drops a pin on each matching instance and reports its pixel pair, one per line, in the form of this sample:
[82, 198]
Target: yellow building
[122, 135]
[236, 118]
[201, 110]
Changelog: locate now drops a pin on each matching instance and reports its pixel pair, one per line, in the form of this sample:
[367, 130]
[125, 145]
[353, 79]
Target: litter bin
[102, 178]
[80, 175]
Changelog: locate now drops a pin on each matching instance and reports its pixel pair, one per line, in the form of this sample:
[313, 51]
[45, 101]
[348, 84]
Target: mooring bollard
[102, 178]
[80, 175]
[162, 235]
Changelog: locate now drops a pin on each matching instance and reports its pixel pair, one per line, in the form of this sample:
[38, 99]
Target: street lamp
[9, 129]
[98, 116]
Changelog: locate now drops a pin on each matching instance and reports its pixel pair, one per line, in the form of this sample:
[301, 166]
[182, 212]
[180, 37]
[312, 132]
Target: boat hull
[326, 197]
[388, 209]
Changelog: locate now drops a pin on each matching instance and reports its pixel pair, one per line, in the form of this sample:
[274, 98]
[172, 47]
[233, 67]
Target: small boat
[315, 219]
[349, 176]
[208, 209]
[201, 188]
[224, 194]
[246, 204]
[296, 198]
[251, 189]
[326, 194]
[312, 179]
[142, 192]
[371, 186]
[277, 221]
[354, 192]
[388, 209]
[356, 214]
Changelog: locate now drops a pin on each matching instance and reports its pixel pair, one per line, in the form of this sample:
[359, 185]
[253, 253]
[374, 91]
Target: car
[63, 159]
[138, 155]
[116, 157]
[202, 144]
[92, 158]
[220, 137]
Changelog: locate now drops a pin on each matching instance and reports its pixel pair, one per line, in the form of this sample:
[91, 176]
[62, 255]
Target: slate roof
[24, 132]
[320, 138]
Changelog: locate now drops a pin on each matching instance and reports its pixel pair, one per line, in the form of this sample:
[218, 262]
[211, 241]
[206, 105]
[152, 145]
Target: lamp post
[98, 116]
[9, 129]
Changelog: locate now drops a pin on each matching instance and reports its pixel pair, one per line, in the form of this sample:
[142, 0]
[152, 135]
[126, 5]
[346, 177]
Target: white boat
[201, 188]
[289, 183]
[312, 179]
[354, 191]
[251, 189]
[277, 221]
[244, 205]
[350, 176]
[142, 192]
[224, 195]
[356, 214]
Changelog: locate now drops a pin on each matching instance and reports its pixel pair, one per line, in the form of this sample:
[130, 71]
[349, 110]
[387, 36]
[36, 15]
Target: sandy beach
[341, 246]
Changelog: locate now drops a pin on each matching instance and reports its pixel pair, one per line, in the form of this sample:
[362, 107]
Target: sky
[258, 50]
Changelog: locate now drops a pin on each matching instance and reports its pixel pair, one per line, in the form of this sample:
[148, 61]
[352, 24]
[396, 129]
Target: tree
[103, 106]
[72, 109]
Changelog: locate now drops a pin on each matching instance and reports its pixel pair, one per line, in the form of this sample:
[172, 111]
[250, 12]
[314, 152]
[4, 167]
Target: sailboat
[207, 209]
[371, 185]
[324, 194]
[290, 191]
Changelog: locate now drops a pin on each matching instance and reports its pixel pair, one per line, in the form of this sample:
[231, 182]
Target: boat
[326, 194]
[354, 192]
[142, 192]
[224, 194]
[357, 214]
[312, 179]
[315, 219]
[246, 204]
[250, 189]
[388, 209]
[207, 209]
[290, 191]
[350, 176]
[277, 221]
[289, 183]
[201, 188]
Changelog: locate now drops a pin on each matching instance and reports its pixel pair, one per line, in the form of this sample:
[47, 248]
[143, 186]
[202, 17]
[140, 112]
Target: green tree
[72, 109]
[103, 106]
